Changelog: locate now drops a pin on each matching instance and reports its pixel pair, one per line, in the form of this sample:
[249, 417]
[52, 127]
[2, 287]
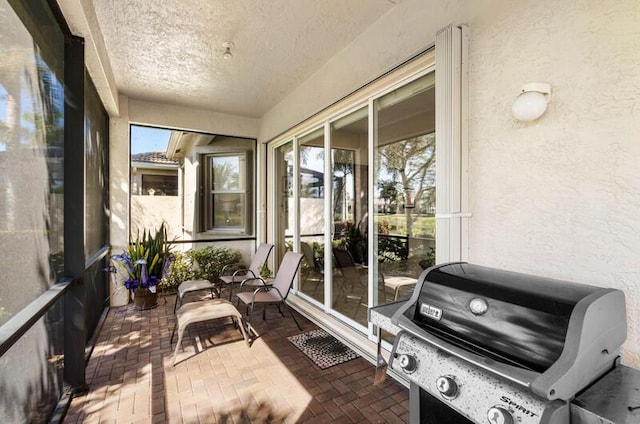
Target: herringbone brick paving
[218, 379]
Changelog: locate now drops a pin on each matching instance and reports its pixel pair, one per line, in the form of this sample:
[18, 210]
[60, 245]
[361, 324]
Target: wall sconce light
[227, 55]
[532, 101]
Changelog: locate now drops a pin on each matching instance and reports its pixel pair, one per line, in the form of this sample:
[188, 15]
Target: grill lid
[553, 336]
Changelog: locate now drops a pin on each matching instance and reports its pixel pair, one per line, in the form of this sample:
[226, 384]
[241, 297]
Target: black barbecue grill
[483, 345]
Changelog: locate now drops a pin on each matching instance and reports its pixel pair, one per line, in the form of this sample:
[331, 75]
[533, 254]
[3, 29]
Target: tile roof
[154, 157]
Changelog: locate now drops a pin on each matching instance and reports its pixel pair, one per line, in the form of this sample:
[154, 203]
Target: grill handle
[520, 376]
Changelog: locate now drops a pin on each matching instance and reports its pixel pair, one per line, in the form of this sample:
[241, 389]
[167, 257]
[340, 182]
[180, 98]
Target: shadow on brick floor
[218, 379]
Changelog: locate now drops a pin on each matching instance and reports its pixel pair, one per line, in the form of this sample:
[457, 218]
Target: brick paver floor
[219, 379]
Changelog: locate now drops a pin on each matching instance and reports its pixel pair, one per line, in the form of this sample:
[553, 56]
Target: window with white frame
[227, 200]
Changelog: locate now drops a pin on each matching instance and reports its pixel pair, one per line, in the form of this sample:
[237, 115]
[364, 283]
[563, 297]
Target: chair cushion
[270, 296]
[205, 311]
[193, 285]
[228, 279]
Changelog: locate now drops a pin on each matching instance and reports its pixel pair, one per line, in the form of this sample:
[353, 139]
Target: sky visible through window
[147, 139]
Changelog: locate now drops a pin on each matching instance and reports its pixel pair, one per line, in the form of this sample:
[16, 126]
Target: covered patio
[218, 379]
[380, 130]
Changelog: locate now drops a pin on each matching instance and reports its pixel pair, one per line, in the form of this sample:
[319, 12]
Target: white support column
[296, 203]
[451, 173]
[119, 186]
[261, 197]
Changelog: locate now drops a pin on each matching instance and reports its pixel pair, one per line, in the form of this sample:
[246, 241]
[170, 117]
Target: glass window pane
[96, 171]
[311, 151]
[350, 188]
[228, 210]
[32, 105]
[154, 183]
[227, 173]
[283, 171]
[405, 192]
[31, 154]
[160, 185]
[31, 371]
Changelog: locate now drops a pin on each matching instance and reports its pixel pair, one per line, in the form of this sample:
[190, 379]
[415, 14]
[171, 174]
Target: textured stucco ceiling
[171, 51]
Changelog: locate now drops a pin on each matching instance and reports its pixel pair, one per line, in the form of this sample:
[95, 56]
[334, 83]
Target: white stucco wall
[558, 197]
[184, 118]
[405, 30]
[119, 153]
[149, 212]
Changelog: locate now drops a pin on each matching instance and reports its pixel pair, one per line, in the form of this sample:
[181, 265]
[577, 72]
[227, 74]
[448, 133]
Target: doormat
[322, 348]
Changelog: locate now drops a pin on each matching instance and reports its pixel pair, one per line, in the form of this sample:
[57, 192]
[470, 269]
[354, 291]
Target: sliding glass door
[356, 196]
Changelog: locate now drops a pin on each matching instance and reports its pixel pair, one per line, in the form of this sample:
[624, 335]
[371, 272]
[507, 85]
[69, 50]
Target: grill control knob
[407, 363]
[447, 386]
[499, 415]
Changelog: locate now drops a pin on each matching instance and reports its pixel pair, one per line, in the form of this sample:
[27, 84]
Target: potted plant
[146, 262]
[264, 270]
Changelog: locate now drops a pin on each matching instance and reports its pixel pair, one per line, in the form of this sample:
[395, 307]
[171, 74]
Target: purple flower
[168, 265]
[124, 261]
[131, 284]
[143, 271]
[134, 284]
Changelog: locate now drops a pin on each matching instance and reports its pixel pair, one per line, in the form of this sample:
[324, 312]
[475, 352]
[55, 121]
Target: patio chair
[315, 272]
[396, 283]
[351, 286]
[275, 293]
[204, 311]
[239, 275]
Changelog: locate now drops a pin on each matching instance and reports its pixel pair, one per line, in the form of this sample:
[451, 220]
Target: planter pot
[143, 299]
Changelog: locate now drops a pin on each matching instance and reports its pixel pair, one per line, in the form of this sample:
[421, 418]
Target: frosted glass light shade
[532, 102]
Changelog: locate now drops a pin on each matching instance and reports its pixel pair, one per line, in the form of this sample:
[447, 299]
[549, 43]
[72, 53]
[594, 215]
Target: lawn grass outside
[423, 226]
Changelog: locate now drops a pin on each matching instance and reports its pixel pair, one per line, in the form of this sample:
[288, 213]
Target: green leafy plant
[391, 248]
[210, 260]
[153, 248]
[430, 259]
[206, 263]
[352, 239]
[147, 260]
[182, 270]
[264, 270]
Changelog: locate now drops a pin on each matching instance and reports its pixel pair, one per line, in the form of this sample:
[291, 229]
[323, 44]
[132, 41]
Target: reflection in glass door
[311, 207]
[284, 224]
[349, 203]
[405, 186]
